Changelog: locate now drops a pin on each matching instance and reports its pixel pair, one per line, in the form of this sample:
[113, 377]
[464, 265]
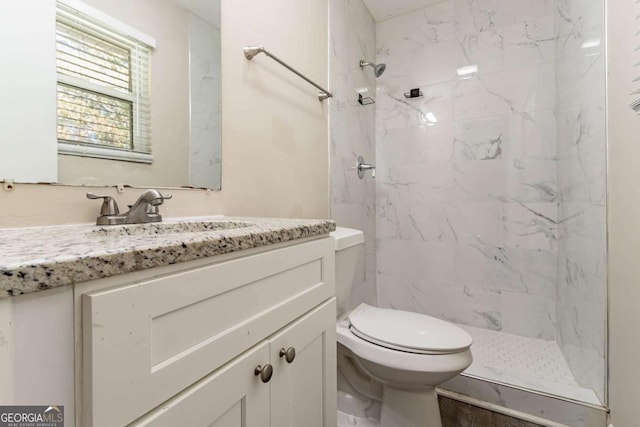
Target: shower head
[251, 51]
[377, 69]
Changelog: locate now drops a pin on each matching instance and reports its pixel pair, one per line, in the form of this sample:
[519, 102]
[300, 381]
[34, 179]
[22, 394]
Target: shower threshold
[527, 375]
[529, 363]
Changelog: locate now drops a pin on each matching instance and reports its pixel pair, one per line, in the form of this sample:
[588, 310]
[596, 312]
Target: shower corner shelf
[413, 93]
[365, 100]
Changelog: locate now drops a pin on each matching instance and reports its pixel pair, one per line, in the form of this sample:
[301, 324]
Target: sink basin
[156, 228]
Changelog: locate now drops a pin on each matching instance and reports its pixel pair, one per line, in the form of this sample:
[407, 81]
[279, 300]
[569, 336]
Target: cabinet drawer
[145, 342]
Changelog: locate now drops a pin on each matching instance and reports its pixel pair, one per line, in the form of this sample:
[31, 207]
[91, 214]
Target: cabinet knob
[265, 372]
[288, 354]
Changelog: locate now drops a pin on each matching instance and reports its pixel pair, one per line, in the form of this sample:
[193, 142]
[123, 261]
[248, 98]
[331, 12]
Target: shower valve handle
[362, 166]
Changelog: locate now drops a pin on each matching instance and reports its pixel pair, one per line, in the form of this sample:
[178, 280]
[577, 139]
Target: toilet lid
[406, 331]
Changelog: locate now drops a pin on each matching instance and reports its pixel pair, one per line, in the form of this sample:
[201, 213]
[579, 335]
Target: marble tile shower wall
[467, 193]
[352, 130]
[581, 122]
[205, 57]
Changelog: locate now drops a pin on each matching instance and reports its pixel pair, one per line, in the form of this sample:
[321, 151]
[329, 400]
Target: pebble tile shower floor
[524, 362]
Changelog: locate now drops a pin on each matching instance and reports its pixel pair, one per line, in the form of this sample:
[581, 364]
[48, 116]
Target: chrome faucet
[144, 210]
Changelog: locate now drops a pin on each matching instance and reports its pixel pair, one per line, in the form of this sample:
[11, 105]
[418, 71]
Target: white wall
[624, 216]
[28, 145]
[274, 134]
[275, 131]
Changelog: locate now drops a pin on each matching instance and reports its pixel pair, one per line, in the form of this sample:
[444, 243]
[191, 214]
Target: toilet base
[410, 408]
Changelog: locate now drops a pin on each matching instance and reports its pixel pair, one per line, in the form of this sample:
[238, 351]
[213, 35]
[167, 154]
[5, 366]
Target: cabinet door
[145, 342]
[232, 396]
[303, 391]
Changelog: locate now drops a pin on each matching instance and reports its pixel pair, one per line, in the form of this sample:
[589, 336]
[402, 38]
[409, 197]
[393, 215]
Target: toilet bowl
[393, 356]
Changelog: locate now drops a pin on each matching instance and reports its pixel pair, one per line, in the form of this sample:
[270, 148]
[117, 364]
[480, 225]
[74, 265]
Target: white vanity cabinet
[229, 397]
[293, 396]
[182, 347]
[302, 390]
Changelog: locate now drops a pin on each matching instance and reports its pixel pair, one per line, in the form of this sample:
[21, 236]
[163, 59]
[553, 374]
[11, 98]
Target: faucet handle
[109, 205]
[156, 201]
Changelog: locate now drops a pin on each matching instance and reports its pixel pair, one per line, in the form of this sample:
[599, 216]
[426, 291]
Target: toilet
[390, 358]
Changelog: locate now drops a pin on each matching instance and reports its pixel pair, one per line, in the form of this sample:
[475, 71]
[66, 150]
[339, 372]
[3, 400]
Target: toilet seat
[401, 360]
[408, 332]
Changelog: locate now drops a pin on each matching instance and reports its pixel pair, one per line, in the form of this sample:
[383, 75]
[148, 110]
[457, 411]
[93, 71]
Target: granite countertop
[38, 258]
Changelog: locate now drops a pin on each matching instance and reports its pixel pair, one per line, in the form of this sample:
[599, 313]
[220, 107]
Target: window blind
[103, 85]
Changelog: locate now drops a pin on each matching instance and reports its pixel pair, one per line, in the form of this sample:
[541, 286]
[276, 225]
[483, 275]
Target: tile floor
[529, 363]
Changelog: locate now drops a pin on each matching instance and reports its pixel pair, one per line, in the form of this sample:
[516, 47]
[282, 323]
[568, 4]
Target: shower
[525, 286]
[377, 69]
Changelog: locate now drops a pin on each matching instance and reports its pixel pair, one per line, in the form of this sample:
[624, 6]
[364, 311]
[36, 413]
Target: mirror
[185, 107]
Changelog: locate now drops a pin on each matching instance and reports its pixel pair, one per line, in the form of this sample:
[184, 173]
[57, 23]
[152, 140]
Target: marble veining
[39, 258]
[581, 132]
[490, 194]
[467, 190]
[352, 132]
[563, 411]
[205, 92]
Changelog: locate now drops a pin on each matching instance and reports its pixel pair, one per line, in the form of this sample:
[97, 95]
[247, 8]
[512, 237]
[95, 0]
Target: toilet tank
[349, 250]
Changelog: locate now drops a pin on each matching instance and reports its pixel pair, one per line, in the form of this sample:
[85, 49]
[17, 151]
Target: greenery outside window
[103, 90]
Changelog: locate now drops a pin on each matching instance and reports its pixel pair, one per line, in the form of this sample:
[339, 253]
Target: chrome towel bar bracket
[251, 51]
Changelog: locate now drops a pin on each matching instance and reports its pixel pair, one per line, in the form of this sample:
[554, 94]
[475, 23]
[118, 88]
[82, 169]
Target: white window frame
[92, 17]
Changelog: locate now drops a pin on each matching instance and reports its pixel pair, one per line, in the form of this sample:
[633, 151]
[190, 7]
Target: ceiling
[385, 9]
[205, 9]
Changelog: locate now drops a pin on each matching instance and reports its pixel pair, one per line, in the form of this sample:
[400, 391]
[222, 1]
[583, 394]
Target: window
[103, 95]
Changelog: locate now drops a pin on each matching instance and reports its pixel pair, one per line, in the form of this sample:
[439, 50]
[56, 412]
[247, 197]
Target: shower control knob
[289, 354]
[264, 372]
[361, 166]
